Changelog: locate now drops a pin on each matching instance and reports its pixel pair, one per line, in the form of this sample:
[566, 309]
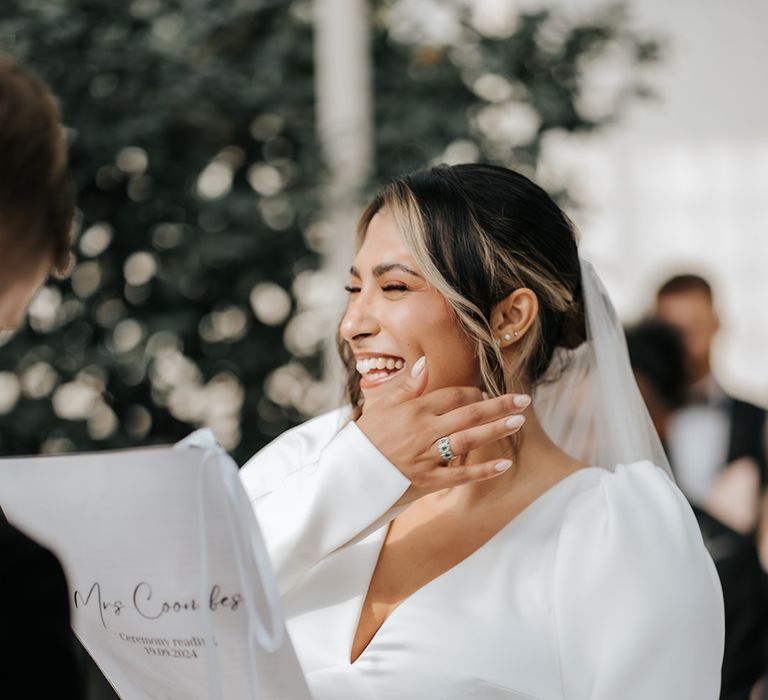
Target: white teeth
[369, 365]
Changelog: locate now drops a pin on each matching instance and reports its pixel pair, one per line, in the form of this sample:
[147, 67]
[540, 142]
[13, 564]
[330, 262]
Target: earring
[507, 336]
[516, 334]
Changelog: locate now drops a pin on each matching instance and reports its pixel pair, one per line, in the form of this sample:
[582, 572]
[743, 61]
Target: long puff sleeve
[638, 608]
[316, 488]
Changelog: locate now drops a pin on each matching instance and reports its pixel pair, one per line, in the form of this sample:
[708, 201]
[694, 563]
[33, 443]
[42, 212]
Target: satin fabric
[600, 589]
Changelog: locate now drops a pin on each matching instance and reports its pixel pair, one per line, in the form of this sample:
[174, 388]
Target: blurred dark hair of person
[657, 354]
[658, 360]
[687, 303]
[36, 198]
[37, 649]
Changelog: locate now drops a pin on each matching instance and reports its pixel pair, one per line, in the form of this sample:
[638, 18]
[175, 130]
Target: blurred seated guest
[658, 359]
[717, 443]
[37, 649]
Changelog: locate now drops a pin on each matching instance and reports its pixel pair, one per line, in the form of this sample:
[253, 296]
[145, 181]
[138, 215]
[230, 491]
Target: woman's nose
[358, 320]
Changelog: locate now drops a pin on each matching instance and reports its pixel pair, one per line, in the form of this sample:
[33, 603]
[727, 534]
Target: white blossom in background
[494, 18]
[126, 335]
[10, 390]
[224, 325]
[102, 422]
[513, 123]
[86, 278]
[171, 368]
[552, 34]
[132, 160]
[434, 22]
[57, 444]
[83, 399]
[278, 212]
[265, 179]
[140, 267]
[138, 421]
[493, 87]
[459, 151]
[316, 293]
[38, 380]
[215, 181]
[43, 309]
[95, 239]
[177, 383]
[605, 77]
[270, 303]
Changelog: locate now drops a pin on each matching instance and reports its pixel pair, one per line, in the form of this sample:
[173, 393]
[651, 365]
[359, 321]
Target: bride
[443, 537]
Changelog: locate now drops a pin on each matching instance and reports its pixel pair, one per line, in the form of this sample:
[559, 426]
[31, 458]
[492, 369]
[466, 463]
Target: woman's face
[394, 317]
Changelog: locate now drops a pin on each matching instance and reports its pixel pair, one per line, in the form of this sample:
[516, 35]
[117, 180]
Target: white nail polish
[418, 366]
[514, 422]
[503, 465]
[522, 400]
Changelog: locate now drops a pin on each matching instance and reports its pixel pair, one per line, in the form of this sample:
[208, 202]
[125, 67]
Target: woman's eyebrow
[382, 269]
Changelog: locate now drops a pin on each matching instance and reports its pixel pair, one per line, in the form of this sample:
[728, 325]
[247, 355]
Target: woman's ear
[513, 316]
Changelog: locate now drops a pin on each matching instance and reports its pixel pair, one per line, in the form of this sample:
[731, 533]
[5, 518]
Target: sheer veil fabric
[589, 403]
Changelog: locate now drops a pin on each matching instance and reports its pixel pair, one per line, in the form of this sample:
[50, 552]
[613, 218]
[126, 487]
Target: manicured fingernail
[521, 400]
[503, 465]
[418, 366]
[485, 395]
[514, 422]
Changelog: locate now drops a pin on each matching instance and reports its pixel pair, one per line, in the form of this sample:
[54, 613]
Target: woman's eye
[395, 288]
[351, 290]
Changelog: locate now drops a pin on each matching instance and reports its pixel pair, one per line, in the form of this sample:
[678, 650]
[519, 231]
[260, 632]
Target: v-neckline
[496, 535]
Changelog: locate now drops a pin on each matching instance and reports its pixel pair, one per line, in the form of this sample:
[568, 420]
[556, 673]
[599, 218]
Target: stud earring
[507, 336]
[516, 334]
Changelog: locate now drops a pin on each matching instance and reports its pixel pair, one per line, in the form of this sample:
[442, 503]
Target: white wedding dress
[601, 589]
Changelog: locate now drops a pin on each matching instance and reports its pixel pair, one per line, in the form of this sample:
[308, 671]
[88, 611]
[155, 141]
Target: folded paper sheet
[170, 583]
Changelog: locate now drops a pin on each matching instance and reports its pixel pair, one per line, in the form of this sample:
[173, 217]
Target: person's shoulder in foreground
[36, 211]
[33, 571]
[636, 594]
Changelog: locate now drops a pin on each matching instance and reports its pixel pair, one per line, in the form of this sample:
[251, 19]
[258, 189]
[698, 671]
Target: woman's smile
[376, 369]
[394, 316]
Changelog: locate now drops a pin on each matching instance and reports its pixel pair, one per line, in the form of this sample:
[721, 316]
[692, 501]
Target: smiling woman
[444, 537]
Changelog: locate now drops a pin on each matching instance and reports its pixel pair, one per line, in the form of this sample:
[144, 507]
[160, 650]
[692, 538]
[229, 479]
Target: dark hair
[656, 352]
[36, 200]
[478, 232]
[685, 283]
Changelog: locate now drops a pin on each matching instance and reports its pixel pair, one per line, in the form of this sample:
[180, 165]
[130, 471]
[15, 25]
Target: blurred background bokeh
[221, 150]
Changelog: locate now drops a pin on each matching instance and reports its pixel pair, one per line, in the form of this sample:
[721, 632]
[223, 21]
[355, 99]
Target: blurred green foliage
[199, 179]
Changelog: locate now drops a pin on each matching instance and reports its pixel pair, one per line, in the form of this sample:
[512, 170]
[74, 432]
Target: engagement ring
[444, 447]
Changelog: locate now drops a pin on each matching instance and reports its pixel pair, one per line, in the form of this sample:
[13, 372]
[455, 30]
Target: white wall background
[681, 184]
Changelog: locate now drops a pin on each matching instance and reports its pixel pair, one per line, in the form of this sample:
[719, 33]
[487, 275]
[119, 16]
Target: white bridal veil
[589, 403]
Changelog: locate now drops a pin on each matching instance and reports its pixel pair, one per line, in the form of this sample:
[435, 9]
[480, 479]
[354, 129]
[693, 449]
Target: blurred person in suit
[658, 360]
[37, 648]
[718, 444]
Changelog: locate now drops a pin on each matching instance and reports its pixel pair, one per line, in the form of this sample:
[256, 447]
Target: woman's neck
[538, 465]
